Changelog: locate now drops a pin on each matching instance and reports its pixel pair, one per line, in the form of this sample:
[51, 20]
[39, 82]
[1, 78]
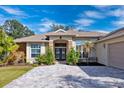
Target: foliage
[8, 50]
[49, 56]
[46, 59]
[7, 45]
[55, 27]
[34, 65]
[76, 58]
[15, 58]
[41, 59]
[16, 29]
[88, 46]
[73, 57]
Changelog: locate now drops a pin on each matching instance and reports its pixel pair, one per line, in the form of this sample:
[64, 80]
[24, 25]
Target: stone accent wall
[22, 47]
[69, 45]
[51, 44]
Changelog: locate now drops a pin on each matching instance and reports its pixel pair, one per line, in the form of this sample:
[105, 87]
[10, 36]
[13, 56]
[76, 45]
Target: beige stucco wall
[74, 44]
[68, 38]
[102, 52]
[84, 38]
[28, 52]
[71, 43]
[58, 37]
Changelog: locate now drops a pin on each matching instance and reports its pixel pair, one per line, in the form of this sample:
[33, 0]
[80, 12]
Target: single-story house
[110, 49]
[60, 42]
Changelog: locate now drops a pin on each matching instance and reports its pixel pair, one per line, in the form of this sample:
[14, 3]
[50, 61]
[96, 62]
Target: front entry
[60, 53]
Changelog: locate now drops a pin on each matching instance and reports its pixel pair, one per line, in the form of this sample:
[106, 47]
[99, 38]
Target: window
[79, 45]
[35, 50]
[80, 48]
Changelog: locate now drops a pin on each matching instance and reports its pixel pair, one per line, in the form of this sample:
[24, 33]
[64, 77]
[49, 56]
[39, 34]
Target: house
[60, 42]
[110, 49]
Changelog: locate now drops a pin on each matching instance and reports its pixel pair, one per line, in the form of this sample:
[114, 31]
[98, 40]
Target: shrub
[49, 56]
[46, 59]
[28, 63]
[34, 65]
[72, 57]
[76, 58]
[14, 58]
[41, 59]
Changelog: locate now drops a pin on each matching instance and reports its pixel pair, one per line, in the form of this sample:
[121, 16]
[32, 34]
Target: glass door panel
[60, 53]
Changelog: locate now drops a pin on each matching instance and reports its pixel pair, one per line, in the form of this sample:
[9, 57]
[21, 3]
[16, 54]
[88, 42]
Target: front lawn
[7, 74]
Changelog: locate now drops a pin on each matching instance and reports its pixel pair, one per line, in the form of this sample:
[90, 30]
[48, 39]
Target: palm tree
[88, 46]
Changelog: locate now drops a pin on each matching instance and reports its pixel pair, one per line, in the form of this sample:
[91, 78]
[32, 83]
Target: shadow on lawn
[80, 82]
[103, 71]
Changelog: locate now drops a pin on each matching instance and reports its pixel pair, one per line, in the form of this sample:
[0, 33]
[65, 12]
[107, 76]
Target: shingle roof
[34, 38]
[41, 38]
[76, 33]
[114, 34]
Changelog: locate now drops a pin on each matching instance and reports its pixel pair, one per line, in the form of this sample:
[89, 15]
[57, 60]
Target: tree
[7, 44]
[55, 27]
[15, 29]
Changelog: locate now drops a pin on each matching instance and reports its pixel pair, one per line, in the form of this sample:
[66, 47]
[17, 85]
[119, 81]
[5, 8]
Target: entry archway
[60, 49]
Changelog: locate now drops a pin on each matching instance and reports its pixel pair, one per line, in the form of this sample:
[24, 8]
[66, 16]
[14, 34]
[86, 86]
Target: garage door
[116, 55]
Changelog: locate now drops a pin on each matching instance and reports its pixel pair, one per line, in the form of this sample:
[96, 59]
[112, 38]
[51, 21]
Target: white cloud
[84, 22]
[47, 11]
[119, 23]
[12, 10]
[93, 14]
[102, 31]
[79, 27]
[46, 23]
[117, 12]
[103, 7]
[2, 19]
[43, 29]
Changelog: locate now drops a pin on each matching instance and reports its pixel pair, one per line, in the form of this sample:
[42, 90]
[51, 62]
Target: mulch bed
[89, 64]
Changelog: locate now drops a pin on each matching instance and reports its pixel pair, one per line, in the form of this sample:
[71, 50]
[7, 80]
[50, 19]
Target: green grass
[7, 74]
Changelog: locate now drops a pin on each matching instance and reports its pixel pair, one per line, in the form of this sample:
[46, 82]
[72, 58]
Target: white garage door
[116, 55]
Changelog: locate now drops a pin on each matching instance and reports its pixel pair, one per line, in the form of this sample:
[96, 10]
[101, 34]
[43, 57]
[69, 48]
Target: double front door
[60, 53]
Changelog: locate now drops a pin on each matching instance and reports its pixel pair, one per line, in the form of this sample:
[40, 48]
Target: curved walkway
[65, 76]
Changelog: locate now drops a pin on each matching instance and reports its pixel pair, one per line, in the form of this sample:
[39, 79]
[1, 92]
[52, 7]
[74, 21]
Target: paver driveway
[64, 76]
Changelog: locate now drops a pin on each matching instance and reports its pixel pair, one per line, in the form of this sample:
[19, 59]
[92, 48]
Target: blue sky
[88, 18]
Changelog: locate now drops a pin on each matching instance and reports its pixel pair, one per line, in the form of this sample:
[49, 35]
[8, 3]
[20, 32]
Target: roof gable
[60, 30]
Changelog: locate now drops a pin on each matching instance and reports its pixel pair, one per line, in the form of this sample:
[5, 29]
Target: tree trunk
[87, 58]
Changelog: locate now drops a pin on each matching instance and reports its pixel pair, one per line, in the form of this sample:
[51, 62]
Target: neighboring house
[110, 49]
[60, 42]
